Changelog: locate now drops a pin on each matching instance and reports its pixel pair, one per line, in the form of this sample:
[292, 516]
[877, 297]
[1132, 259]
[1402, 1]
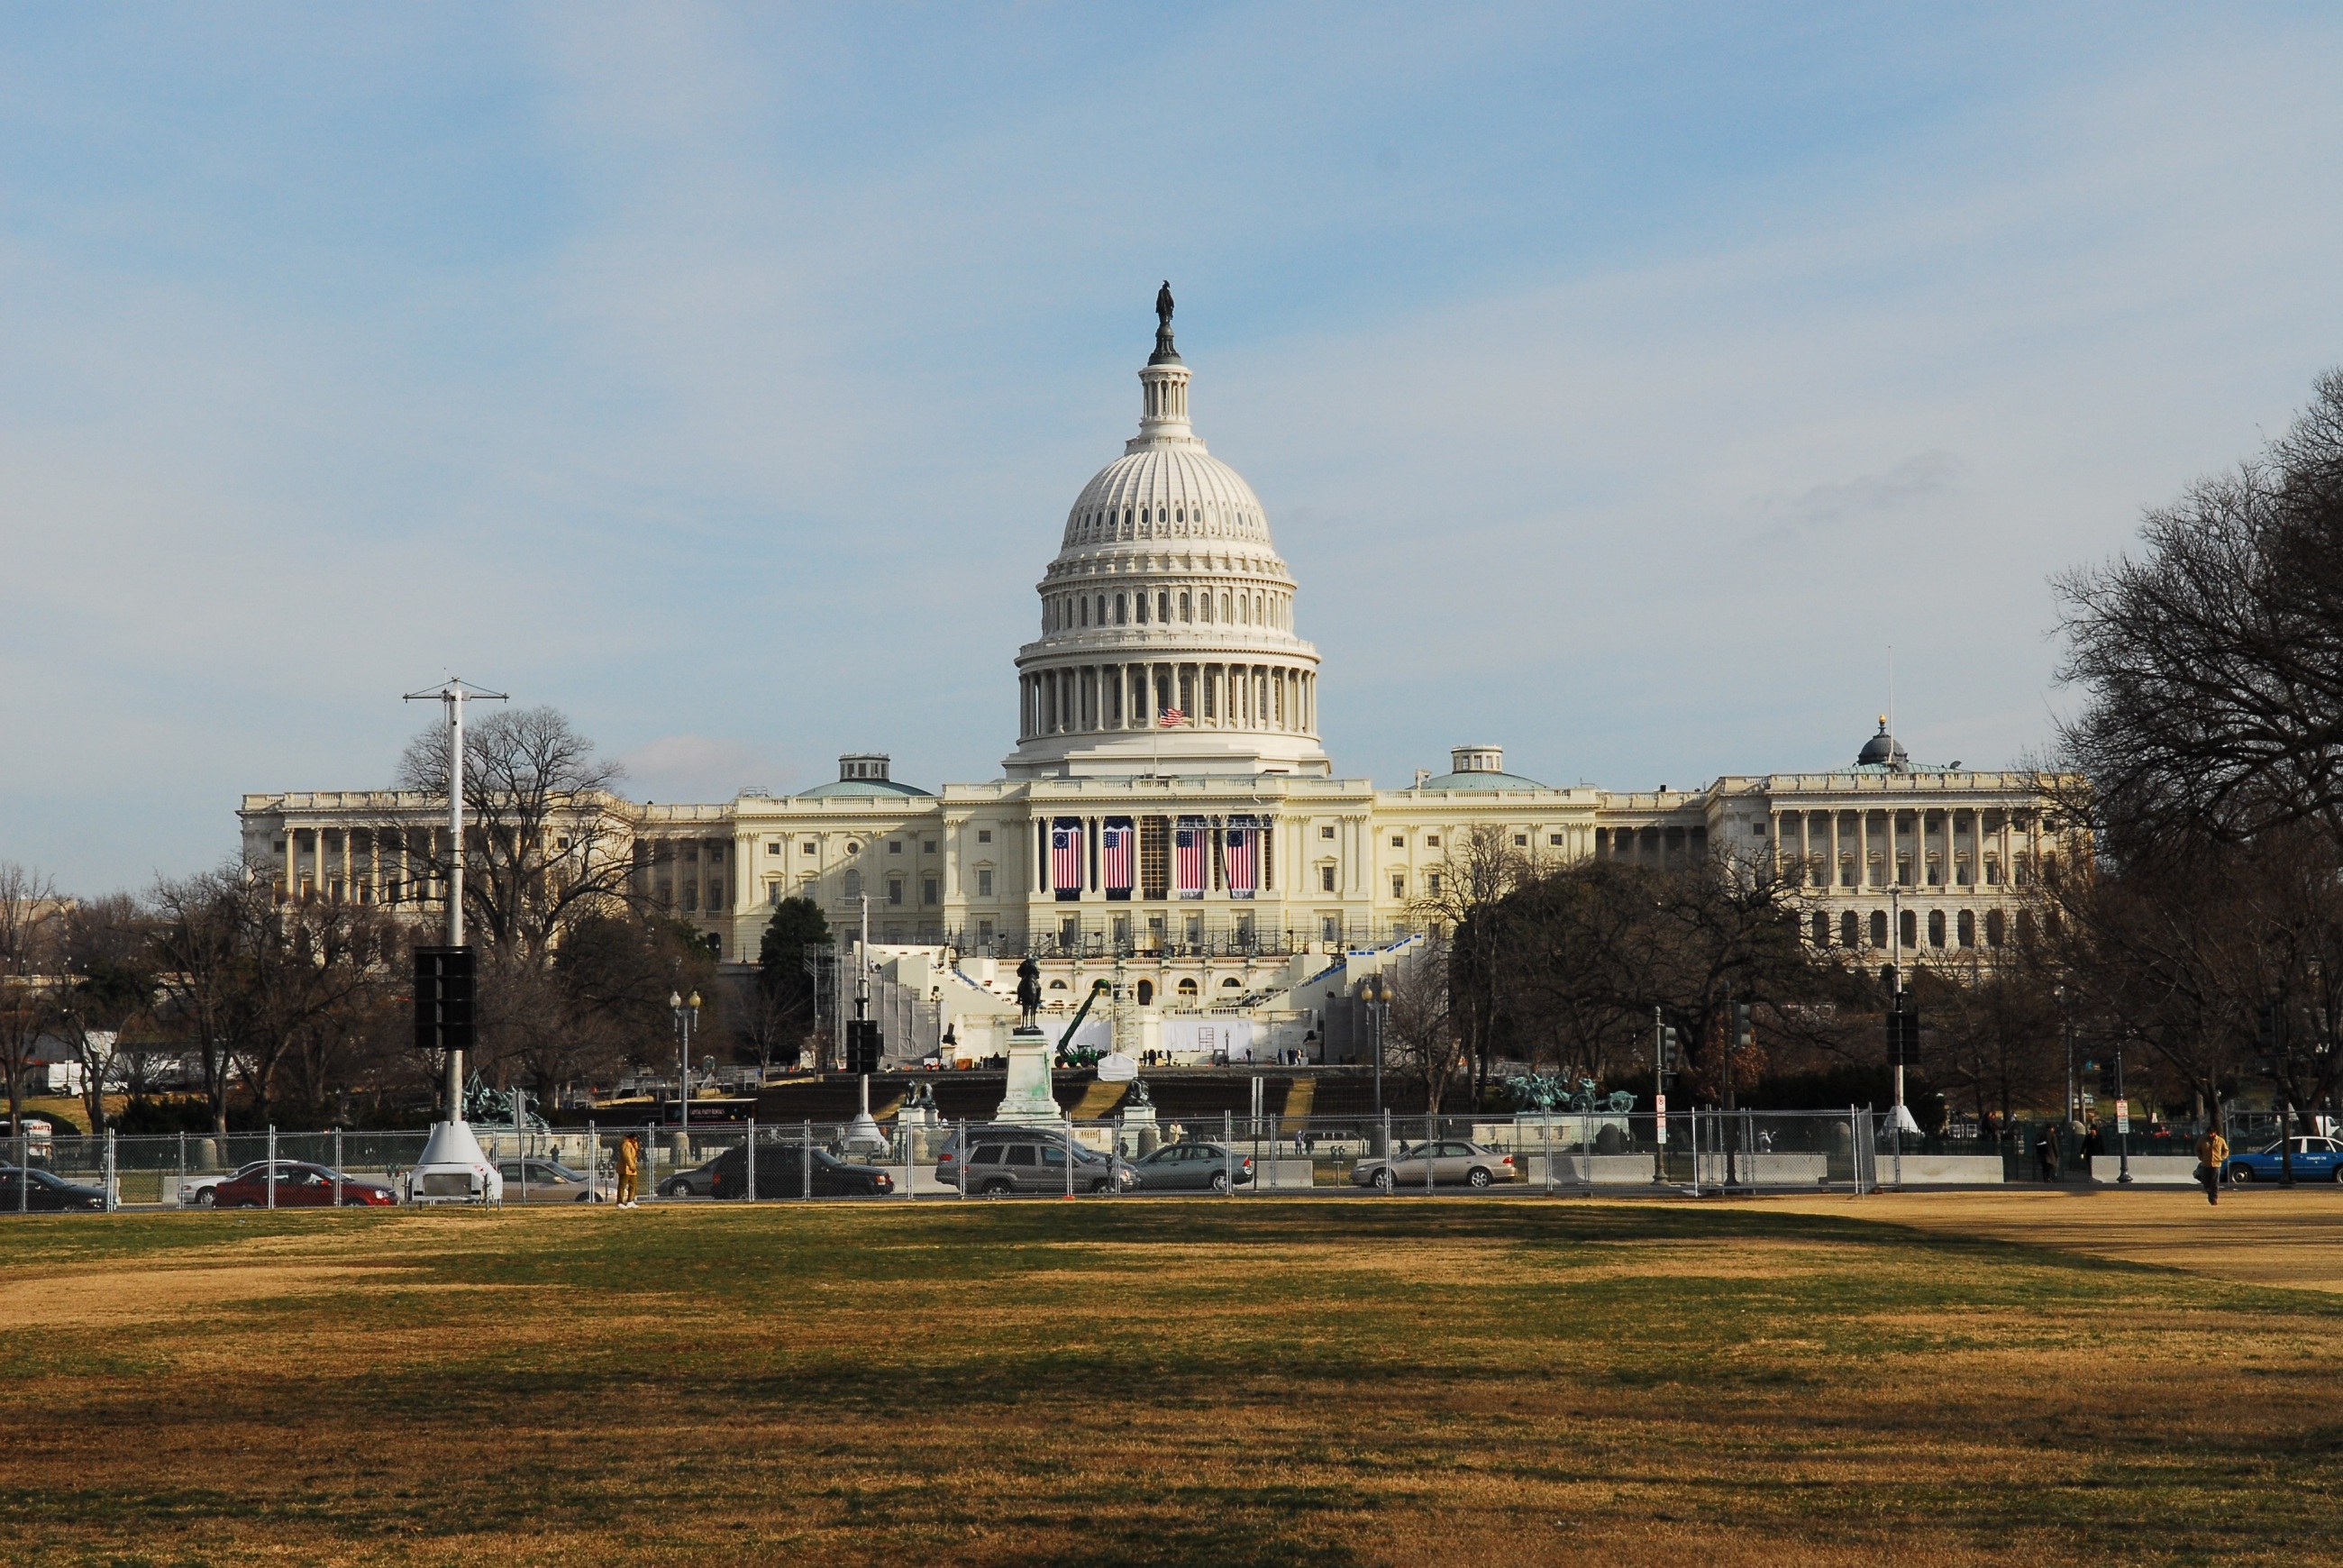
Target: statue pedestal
[1138, 1137]
[1029, 1098]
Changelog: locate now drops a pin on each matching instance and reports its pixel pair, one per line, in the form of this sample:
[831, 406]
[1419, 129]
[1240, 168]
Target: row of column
[1831, 842]
[369, 891]
[1081, 698]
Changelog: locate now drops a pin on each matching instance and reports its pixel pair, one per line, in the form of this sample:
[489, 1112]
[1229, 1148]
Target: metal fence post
[752, 1159]
[910, 1162]
[1546, 1126]
[112, 1199]
[593, 1162]
[272, 1165]
[648, 1165]
[1229, 1149]
[337, 1167]
[181, 1187]
[1430, 1136]
[1391, 1165]
[805, 1162]
[1586, 1152]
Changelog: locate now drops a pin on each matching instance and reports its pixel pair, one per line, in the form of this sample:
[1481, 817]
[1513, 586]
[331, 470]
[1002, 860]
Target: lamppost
[2123, 1121]
[2066, 1028]
[1378, 997]
[687, 1014]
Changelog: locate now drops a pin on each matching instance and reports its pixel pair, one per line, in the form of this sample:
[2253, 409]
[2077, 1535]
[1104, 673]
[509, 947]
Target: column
[1805, 847]
[349, 868]
[1835, 815]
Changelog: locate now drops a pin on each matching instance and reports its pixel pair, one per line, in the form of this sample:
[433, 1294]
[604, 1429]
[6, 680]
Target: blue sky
[1620, 383]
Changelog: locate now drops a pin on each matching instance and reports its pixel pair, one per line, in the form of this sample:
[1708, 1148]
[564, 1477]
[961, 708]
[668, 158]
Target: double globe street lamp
[687, 1014]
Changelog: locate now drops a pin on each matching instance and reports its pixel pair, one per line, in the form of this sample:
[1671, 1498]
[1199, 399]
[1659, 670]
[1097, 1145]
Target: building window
[1936, 927]
[1911, 924]
[1555, 839]
[690, 898]
[931, 891]
[1431, 883]
[1966, 929]
[984, 882]
[853, 886]
[1121, 610]
[1821, 930]
[894, 889]
[1326, 876]
[1188, 991]
[894, 846]
[1399, 884]
[1994, 928]
[1398, 843]
[1521, 841]
[806, 848]
[1326, 830]
[1432, 840]
[1146, 992]
[773, 848]
[773, 893]
[928, 847]
[984, 932]
[984, 835]
[1846, 929]
[1330, 927]
[1993, 870]
[715, 895]
[1879, 928]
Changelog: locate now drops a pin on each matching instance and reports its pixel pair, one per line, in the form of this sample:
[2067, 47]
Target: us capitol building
[1169, 819]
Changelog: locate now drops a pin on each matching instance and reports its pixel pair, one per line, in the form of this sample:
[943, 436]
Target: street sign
[2123, 1116]
[1660, 1117]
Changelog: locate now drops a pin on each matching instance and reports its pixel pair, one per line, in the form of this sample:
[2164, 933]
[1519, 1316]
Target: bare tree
[1420, 1040]
[543, 845]
[202, 963]
[29, 951]
[2213, 657]
[108, 986]
[1464, 902]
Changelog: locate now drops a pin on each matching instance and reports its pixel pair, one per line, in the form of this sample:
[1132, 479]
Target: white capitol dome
[1167, 599]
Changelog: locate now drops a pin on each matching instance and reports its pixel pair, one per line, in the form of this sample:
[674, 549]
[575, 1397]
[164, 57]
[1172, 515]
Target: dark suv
[781, 1173]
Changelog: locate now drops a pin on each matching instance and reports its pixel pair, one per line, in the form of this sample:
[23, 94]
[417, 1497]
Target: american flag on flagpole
[1190, 842]
[1118, 856]
[1240, 856]
[1066, 857]
[1171, 719]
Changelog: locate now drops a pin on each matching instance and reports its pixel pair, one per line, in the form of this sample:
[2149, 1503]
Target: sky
[1622, 385]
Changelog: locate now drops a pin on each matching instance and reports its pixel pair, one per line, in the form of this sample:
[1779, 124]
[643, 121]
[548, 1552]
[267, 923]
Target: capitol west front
[1170, 821]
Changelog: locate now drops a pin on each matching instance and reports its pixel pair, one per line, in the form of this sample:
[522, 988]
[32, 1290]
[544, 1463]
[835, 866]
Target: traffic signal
[443, 1000]
[1904, 1038]
[1745, 1034]
[862, 1045]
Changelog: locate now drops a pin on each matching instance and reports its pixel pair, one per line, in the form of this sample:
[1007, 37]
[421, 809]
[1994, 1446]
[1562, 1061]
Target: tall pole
[452, 695]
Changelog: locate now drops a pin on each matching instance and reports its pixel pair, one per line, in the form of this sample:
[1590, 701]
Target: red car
[299, 1186]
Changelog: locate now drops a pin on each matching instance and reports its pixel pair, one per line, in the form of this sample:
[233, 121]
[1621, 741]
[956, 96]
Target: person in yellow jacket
[629, 1161]
[2212, 1154]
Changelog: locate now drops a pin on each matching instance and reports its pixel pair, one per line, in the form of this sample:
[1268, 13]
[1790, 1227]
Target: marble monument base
[1029, 1098]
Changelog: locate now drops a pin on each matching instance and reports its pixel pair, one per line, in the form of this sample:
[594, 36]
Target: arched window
[1204, 608]
[1146, 992]
[1187, 987]
[1164, 608]
[1121, 608]
[1821, 930]
[1186, 613]
[853, 879]
[1995, 928]
[1966, 929]
[1936, 927]
[1086, 620]
[1847, 930]
[1142, 606]
[1231, 984]
[1142, 514]
[2025, 925]
[1911, 924]
[1879, 928]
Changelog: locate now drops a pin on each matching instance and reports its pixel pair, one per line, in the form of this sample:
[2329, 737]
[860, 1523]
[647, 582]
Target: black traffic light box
[862, 1045]
[1904, 1038]
[443, 1000]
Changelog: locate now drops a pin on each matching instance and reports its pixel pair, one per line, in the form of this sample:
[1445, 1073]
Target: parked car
[699, 1182]
[1191, 1168]
[781, 1173]
[948, 1158]
[201, 1191]
[998, 1167]
[1453, 1161]
[300, 1185]
[535, 1181]
[2314, 1159]
[41, 1190]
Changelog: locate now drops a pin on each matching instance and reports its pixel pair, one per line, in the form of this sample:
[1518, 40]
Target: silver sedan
[1453, 1162]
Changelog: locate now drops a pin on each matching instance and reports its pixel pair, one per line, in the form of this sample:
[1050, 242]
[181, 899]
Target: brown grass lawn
[2009, 1377]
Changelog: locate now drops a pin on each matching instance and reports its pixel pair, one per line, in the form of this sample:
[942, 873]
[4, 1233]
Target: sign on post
[1659, 1119]
[2123, 1116]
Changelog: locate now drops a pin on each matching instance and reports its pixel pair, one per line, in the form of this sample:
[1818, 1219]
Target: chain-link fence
[1147, 1153]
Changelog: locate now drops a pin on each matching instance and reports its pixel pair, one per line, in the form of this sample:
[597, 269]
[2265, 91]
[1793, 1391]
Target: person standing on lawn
[2212, 1153]
[2046, 1152]
[629, 1161]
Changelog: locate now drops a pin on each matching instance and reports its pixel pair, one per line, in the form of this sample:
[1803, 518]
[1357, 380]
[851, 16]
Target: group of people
[2212, 1154]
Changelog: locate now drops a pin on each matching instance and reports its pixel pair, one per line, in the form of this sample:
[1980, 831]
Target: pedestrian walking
[2045, 1152]
[629, 1160]
[2212, 1154]
[2094, 1141]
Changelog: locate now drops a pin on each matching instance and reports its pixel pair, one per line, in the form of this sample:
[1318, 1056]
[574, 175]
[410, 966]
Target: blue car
[2314, 1159]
